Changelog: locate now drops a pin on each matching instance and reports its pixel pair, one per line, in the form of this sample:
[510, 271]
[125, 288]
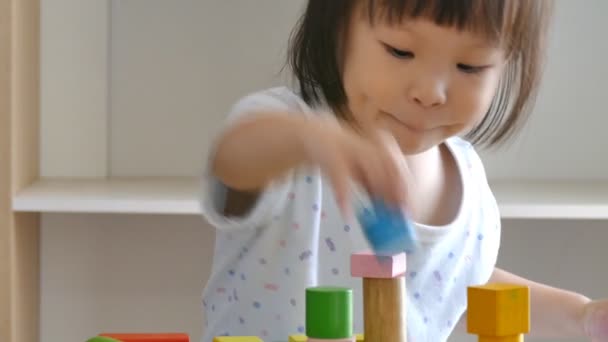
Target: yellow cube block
[498, 309]
[360, 337]
[237, 339]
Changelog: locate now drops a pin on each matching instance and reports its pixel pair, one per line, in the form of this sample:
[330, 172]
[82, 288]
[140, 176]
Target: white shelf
[130, 195]
[517, 199]
[552, 199]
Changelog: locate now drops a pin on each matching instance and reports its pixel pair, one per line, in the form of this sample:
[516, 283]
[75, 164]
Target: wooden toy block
[351, 339]
[368, 265]
[329, 313]
[141, 337]
[303, 338]
[498, 312]
[514, 338]
[386, 228]
[102, 339]
[237, 339]
[384, 295]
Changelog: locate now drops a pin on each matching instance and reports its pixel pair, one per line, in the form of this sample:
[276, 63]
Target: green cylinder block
[329, 312]
[102, 339]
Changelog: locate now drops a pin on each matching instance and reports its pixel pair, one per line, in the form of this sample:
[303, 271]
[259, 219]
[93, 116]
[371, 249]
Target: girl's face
[422, 82]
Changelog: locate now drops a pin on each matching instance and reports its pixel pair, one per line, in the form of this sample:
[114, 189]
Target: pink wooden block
[368, 265]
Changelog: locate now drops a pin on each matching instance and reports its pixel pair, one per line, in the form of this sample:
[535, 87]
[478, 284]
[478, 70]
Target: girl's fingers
[369, 158]
[339, 174]
[376, 174]
[392, 166]
[370, 167]
[400, 177]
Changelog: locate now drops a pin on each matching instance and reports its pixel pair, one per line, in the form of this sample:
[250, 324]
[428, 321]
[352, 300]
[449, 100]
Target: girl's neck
[435, 191]
[423, 163]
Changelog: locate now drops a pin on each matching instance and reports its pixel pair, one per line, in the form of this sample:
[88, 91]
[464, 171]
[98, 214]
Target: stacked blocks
[498, 312]
[387, 229]
[384, 295]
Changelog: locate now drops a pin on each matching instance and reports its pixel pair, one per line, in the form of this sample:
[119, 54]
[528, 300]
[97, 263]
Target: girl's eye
[401, 54]
[471, 69]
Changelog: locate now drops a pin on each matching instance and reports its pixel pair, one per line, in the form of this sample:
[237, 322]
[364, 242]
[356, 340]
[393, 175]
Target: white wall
[177, 66]
[566, 133]
[122, 273]
[173, 67]
[73, 91]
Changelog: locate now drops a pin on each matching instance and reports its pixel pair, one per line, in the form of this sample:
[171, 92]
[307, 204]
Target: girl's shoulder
[474, 174]
[275, 98]
[466, 154]
[460, 143]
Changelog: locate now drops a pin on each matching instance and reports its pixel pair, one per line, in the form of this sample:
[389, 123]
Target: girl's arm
[554, 312]
[257, 150]
[260, 149]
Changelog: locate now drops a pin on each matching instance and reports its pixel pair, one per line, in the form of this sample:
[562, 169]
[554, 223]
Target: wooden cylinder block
[384, 303]
[513, 338]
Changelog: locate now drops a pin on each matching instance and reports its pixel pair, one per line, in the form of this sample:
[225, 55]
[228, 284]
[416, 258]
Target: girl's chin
[411, 147]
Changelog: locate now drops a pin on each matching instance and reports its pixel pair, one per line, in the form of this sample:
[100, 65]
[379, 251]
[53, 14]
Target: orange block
[513, 338]
[498, 310]
[139, 337]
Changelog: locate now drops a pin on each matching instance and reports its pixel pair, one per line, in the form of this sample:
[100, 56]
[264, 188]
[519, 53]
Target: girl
[391, 96]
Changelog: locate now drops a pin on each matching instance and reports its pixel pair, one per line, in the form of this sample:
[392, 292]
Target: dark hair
[520, 26]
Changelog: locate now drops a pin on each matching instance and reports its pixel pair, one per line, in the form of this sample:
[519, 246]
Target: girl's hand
[595, 320]
[371, 159]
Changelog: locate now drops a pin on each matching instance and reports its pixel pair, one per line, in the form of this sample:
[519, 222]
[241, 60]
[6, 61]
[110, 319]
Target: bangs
[492, 20]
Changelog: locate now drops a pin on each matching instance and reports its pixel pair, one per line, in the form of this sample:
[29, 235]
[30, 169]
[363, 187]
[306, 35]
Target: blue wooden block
[387, 229]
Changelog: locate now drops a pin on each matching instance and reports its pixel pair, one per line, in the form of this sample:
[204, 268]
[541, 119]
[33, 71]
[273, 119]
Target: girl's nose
[428, 93]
